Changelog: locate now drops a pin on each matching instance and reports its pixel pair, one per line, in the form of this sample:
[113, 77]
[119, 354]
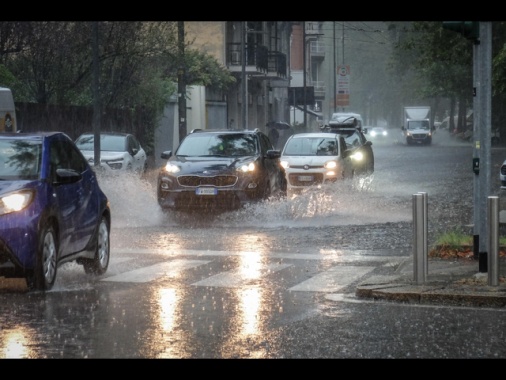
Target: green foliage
[457, 238]
[440, 59]
[203, 69]
[454, 239]
[7, 79]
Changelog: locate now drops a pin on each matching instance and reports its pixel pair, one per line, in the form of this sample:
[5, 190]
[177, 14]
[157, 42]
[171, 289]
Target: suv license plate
[206, 191]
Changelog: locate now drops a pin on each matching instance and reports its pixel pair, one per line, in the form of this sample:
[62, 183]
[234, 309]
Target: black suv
[354, 135]
[220, 170]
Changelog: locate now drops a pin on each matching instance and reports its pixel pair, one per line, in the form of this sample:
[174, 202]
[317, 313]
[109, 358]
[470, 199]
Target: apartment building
[268, 60]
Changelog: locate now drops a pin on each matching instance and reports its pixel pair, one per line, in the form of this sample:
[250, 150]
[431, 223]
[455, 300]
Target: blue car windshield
[234, 145]
[20, 159]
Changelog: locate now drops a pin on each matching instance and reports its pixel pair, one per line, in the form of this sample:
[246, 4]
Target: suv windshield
[236, 145]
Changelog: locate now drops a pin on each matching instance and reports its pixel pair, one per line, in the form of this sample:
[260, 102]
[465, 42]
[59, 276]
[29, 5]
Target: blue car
[52, 209]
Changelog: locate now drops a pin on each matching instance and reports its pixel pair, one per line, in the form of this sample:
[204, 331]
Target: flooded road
[256, 283]
[326, 218]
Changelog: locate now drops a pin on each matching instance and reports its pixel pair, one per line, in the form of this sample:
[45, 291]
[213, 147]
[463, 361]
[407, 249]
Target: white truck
[8, 122]
[418, 127]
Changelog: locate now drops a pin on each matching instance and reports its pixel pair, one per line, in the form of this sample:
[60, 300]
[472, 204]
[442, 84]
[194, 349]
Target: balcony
[317, 50]
[260, 62]
[319, 89]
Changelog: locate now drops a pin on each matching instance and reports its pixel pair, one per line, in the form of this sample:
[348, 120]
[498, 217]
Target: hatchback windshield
[236, 145]
[311, 147]
[19, 159]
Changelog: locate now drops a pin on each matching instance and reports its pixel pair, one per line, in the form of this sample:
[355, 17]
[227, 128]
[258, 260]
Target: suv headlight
[171, 168]
[245, 168]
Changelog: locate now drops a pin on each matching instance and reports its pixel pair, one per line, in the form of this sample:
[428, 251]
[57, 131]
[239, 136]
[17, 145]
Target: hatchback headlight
[15, 201]
[330, 165]
[357, 156]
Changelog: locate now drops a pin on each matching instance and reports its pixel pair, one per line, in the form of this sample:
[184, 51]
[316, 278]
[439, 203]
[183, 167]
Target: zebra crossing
[330, 280]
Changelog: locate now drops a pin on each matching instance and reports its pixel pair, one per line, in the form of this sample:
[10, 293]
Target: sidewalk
[455, 282]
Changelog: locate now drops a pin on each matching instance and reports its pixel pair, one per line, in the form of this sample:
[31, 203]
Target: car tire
[99, 264]
[43, 275]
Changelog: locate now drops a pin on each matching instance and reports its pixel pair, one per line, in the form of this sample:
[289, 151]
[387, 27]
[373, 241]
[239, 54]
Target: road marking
[240, 277]
[336, 255]
[332, 280]
[153, 272]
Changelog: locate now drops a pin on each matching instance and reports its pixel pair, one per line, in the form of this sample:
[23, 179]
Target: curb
[447, 287]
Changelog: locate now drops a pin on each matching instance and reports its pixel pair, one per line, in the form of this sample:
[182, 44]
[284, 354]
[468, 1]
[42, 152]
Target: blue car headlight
[15, 201]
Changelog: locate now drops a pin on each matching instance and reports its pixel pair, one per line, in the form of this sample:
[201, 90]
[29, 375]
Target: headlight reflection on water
[15, 344]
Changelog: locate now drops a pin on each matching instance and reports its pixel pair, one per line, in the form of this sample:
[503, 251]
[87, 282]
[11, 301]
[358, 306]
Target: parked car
[220, 170]
[52, 209]
[314, 159]
[502, 175]
[354, 135]
[119, 152]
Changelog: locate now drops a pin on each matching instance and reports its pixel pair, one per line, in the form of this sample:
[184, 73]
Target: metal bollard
[493, 241]
[425, 232]
[419, 238]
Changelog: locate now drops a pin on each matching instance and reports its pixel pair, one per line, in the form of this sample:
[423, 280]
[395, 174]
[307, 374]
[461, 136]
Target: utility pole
[483, 104]
[480, 33]
[96, 97]
[304, 70]
[181, 82]
[334, 94]
[244, 80]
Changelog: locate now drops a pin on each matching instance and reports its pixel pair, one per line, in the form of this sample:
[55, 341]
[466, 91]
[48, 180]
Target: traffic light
[469, 29]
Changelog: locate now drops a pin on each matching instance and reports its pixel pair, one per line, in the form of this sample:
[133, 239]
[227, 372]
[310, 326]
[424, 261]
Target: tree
[441, 61]
[50, 62]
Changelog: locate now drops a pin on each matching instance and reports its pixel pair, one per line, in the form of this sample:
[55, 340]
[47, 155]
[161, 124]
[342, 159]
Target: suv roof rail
[196, 130]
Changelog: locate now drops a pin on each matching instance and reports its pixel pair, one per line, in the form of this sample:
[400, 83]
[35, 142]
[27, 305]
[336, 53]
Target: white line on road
[240, 277]
[333, 279]
[153, 272]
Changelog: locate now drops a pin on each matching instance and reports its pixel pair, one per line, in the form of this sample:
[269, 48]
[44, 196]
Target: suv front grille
[218, 181]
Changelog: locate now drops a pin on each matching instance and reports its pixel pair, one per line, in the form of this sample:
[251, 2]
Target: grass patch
[456, 243]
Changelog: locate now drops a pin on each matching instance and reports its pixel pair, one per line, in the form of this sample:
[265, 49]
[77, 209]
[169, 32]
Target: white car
[119, 152]
[313, 159]
[502, 175]
[377, 132]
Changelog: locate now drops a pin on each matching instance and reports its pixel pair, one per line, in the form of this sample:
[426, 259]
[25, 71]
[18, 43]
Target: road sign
[343, 86]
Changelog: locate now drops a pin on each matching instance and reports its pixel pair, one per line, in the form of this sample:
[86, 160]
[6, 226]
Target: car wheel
[98, 265]
[44, 273]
